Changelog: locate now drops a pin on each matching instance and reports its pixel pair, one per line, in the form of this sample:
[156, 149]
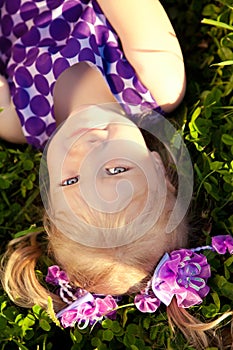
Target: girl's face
[98, 159]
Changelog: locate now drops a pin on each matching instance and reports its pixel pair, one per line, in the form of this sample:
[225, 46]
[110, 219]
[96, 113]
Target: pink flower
[88, 313]
[98, 308]
[87, 310]
[183, 274]
[146, 302]
[69, 318]
[223, 243]
[56, 276]
[107, 305]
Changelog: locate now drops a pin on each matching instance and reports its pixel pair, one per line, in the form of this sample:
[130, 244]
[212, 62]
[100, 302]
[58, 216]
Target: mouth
[83, 131]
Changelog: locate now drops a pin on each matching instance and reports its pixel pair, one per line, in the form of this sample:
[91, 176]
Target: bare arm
[151, 46]
[10, 128]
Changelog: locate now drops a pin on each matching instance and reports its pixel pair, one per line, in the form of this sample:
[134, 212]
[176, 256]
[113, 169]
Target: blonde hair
[120, 270]
[105, 268]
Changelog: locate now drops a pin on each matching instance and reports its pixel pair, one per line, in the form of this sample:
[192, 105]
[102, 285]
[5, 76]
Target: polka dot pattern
[81, 30]
[21, 98]
[20, 29]
[87, 55]
[23, 77]
[18, 53]
[71, 49]
[35, 126]
[44, 63]
[111, 53]
[6, 25]
[31, 56]
[59, 66]
[43, 19]
[31, 38]
[131, 96]
[12, 6]
[59, 29]
[115, 82]
[41, 84]
[89, 15]
[28, 10]
[72, 11]
[40, 105]
[41, 39]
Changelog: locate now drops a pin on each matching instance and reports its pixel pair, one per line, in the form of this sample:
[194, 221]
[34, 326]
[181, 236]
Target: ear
[158, 161]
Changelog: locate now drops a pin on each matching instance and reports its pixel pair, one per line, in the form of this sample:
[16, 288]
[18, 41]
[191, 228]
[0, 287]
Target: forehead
[97, 228]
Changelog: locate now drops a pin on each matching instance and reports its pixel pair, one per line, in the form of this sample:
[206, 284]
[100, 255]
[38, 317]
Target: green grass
[205, 30]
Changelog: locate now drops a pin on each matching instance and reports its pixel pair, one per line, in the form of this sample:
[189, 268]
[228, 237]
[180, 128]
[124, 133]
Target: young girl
[109, 197]
[54, 52]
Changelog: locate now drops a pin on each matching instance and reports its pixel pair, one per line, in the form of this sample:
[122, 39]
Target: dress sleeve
[151, 46]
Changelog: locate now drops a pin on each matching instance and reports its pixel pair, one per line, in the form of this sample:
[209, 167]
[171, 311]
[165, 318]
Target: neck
[89, 88]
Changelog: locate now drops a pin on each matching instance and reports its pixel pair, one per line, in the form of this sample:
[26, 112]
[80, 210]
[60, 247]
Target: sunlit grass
[205, 29]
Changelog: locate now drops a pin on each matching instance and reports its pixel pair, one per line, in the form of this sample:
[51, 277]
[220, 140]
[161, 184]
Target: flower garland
[182, 274]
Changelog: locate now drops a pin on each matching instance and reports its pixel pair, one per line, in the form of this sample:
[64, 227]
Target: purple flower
[146, 302]
[223, 243]
[69, 318]
[88, 312]
[107, 305]
[56, 276]
[84, 314]
[98, 308]
[183, 274]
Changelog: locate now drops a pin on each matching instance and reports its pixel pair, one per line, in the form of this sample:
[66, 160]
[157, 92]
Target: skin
[151, 46]
[104, 164]
[10, 128]
[107, 165]
[153, 50]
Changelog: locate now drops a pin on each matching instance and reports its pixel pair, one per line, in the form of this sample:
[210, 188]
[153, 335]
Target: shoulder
[151, 47]
[10, 127]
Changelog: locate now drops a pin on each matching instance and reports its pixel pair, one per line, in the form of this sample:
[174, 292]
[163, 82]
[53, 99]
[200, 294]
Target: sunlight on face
[98, 159]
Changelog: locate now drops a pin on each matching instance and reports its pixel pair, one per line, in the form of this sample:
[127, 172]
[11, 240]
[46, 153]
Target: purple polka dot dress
[40, 39]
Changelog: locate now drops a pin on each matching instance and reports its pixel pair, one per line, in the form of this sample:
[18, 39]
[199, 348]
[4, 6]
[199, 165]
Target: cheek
[81, 154]
[140, 182]
[72, 159]
[69, 168]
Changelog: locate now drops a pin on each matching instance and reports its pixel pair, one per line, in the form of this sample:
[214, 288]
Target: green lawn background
[205, 30]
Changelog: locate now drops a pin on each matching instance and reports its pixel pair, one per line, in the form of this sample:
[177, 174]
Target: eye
[70, 181]
[116, 170]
